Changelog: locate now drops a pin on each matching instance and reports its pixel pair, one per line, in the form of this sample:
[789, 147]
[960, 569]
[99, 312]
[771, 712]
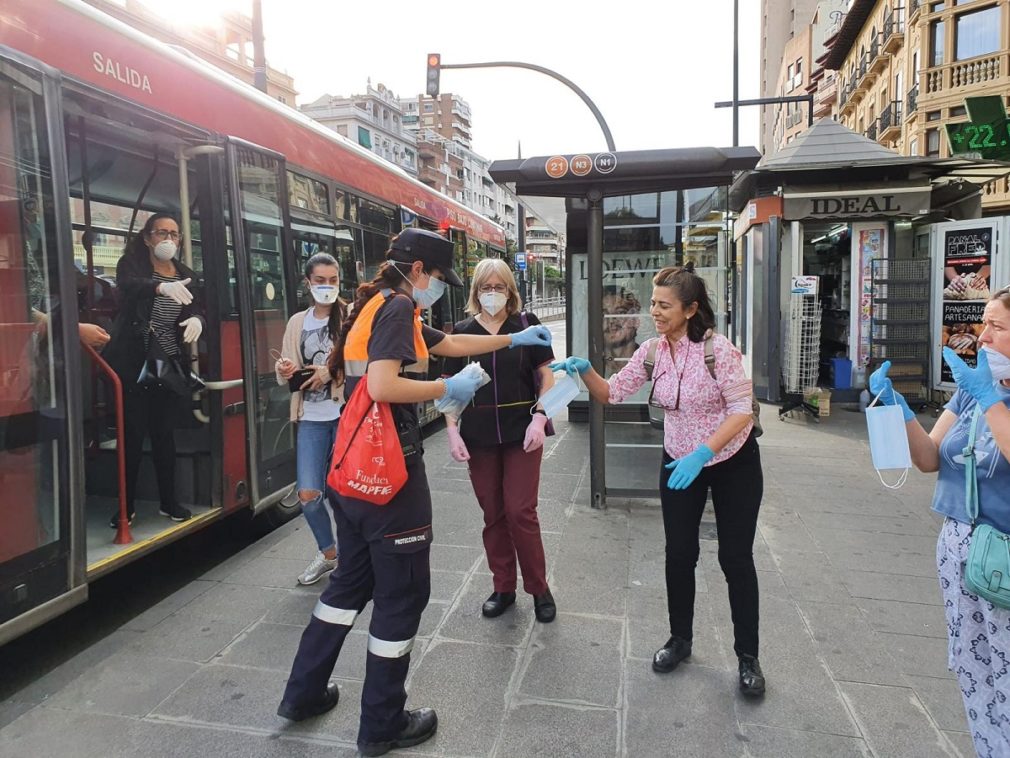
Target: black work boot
[497, 603]
[421, 725]
[752, 679]
[326, 703]
[672, 653]
[544, 607]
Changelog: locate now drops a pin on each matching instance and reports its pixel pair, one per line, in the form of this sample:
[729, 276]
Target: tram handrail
[123, 535]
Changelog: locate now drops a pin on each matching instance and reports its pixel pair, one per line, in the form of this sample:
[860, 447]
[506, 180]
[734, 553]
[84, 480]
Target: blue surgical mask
[557, 398]
[999, 364]
[427, 297]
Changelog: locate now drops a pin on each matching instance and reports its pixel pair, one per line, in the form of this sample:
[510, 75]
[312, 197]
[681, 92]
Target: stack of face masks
[888, 441]
[557, 398]
[450, 407]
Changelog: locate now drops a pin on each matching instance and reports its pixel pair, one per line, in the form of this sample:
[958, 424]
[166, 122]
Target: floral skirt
[978, 651]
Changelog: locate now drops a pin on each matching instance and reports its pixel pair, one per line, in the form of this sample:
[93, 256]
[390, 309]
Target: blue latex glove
[532, 336]
[461, 387]
[881, 385]
[685, 470]
[572, 365]
[978, 381]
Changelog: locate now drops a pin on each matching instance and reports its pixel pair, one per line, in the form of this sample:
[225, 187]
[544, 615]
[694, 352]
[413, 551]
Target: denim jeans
[315, 444]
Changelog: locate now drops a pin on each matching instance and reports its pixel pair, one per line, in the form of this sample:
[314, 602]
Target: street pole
[594, 256]
[736, 73]
[554, 75]
[259, 56]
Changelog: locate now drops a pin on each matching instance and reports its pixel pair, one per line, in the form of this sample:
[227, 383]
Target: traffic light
[434, 70]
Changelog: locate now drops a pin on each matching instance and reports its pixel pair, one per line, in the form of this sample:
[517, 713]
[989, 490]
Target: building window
[933, 116]
[936, 43]
[429, 108]
[913, 147]
[789, 78]
[932, 143]
[342, 129]
[958, 111]
[936, 7]
[976, 33]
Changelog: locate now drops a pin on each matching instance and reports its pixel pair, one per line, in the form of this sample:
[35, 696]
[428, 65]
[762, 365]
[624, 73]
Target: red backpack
[367, 459]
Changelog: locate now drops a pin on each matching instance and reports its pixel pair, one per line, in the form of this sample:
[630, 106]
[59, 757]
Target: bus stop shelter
[657, 208]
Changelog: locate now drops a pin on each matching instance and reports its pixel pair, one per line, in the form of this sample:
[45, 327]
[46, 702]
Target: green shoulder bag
[987, 570]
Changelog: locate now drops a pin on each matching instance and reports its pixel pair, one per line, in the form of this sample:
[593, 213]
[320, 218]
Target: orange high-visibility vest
[356, 344]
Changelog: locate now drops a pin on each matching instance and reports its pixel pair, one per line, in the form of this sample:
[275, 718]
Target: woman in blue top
[978, 632]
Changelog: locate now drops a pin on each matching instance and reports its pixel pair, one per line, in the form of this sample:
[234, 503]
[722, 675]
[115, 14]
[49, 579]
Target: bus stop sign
[520, 261]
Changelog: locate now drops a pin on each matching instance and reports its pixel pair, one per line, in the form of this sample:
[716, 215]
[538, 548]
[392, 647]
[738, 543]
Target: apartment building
[897, 71]
[373, 119]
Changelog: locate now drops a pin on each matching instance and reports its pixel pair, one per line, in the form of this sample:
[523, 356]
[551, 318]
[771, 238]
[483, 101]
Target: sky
[654, 69]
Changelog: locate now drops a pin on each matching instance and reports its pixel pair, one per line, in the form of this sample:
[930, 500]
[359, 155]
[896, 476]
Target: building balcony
[914, 6]
[863, 82]
[889, 123]
[893, 36]
[871, 131]
[912, 102]
[878, 60]
[996, 196]
[972, 73]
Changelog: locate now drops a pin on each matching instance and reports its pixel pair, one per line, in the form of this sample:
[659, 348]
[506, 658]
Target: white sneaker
[316, 570]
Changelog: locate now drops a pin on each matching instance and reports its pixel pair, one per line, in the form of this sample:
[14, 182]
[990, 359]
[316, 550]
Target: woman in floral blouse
[709, 444]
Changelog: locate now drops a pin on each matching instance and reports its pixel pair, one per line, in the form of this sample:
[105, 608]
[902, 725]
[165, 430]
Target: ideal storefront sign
[862, 203]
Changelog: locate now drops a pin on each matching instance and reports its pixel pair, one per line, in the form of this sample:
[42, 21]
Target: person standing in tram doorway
[154, 289]
[315, 402]
[384, 549]
[709, 445]
[501, 436]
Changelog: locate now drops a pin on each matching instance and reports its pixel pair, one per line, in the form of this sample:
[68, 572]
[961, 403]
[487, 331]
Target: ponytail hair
[386, 278]
[689, 288]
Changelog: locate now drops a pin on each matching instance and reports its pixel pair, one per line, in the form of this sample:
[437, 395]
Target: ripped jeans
[315, 444]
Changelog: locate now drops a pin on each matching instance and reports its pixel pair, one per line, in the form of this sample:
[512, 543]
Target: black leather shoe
[497, 603]
[752, 679]
[301, 712]
[421, 725]
[544, 607]
[672, 653]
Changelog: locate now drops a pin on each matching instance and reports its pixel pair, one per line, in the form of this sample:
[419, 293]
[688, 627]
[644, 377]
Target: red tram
[100, 126]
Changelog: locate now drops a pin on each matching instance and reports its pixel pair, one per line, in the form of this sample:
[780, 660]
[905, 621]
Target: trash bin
[841, 372]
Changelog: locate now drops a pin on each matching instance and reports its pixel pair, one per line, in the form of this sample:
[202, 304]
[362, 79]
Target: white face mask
[324, 294]
[165, 250]
[999, 364]
[492, 302]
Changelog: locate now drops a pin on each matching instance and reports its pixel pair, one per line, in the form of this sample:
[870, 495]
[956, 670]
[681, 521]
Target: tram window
[31, 389]
[340, 204]
[375, 248]
[307, 193]
[348, 259]
[378, 217]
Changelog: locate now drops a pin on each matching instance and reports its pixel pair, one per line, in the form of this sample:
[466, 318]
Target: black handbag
[168, 371]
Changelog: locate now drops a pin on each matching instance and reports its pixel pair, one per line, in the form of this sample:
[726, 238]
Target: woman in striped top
[156, 302]
[709, 445]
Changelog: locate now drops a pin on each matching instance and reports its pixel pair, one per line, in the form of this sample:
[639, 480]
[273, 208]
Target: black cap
[434, 250]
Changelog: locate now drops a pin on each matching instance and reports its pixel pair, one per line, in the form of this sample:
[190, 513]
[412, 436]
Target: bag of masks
[449, 407]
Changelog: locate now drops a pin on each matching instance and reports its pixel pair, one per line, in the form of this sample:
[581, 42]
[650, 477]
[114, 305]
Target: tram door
[41, 559]
[267, 298]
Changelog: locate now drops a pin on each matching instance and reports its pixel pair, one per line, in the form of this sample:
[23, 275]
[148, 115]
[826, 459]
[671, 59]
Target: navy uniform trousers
[383, 558]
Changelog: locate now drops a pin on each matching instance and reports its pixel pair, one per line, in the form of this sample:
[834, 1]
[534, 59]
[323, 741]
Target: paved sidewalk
[853, 637]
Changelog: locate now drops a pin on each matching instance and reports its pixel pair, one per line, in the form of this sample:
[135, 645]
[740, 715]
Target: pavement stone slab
[445, 585]
[575, 659]
[452, 557]
[125, 684]
[873, 585]
[942, 698]
[233, 696]
[848, 646]
[187, 636]
[769, 742]
[548, 729]
[237, 602]
[924, 620]
[894, 722]
[466, 623]
[166, 607]
[916, 655]
[468, 685]
[688, 713]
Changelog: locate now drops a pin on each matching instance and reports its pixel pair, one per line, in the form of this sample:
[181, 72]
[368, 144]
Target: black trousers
[151, 411]
[384, 554]
[736, 485]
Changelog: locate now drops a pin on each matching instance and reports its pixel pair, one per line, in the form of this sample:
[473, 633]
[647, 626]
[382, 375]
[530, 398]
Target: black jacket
[135, 292]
